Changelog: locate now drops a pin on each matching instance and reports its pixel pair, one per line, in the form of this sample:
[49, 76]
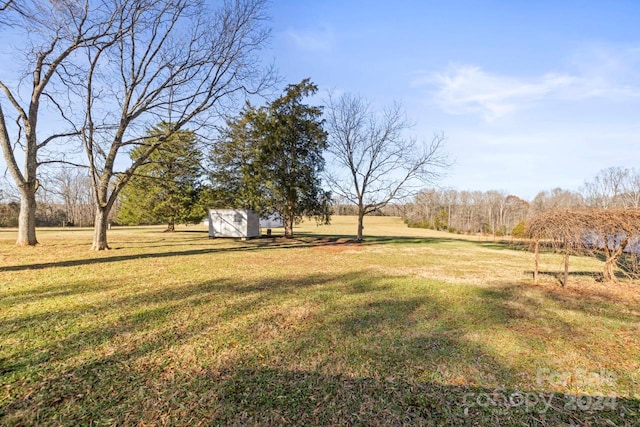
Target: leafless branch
[591, 231]
[381, 162]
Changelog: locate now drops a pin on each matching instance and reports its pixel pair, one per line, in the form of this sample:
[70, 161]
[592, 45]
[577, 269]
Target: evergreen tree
[236, 171]
[270, 159]
[166, 187]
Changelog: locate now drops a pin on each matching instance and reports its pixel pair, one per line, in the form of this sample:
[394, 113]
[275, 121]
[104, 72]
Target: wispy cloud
[468, 89]
[610, 71]
[313, 40]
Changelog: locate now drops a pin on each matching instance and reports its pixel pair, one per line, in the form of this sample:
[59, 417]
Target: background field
[412, 327]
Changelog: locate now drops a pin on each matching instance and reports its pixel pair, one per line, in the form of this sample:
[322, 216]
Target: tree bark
[100, 229]
[27, 217]
[360, 224]
[27, 183]
[609, 273]
[288, 227]
[613, 255]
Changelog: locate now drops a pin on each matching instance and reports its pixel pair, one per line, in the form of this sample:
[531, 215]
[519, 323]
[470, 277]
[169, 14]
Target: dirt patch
[334, 245]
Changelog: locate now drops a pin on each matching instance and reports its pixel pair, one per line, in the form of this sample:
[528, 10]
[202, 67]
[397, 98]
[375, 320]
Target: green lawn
[413, 327]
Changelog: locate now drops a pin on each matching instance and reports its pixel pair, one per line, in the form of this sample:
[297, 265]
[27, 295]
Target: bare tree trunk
[27, 183]
[171, 227]
[360, 224]
[536, 267]
[100, 229]
[613, 255]
[27, 218]
[610, 263]
[609, 273]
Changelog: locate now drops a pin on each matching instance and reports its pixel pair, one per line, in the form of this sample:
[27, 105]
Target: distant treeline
[66, 200]
[499, 213]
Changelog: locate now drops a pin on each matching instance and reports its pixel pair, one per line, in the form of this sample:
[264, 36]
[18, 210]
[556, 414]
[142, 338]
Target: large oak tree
[46, 36]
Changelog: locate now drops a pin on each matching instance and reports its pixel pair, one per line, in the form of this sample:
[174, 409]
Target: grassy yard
[413, 327]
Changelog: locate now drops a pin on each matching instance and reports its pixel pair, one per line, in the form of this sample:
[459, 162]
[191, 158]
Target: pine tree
[167, 187]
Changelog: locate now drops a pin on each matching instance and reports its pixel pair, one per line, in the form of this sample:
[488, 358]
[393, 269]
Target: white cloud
[314, 40]
[468, 89]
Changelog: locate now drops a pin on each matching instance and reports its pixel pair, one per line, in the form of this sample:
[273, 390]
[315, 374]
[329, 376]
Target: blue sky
[531, 95]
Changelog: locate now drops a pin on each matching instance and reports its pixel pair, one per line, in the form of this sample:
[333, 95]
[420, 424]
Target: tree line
[499, 213]
[65, 197]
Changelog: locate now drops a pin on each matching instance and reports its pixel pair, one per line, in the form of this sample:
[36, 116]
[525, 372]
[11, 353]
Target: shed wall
[239, 223]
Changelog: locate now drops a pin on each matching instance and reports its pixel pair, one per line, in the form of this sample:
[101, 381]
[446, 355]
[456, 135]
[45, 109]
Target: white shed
[242, 223]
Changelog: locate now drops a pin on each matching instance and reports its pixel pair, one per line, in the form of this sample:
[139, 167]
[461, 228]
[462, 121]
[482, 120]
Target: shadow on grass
[265, 243]
[250, 245]
[598, 276]
[109, 259]
[514, 305]
[318, 350]
[559, 275]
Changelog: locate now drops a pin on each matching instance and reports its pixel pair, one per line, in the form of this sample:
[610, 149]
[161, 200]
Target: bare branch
[21, 113]
[589, 231]
[5, 143]
[62, 162]
[383, 165]
[5, 5]
[57, 136]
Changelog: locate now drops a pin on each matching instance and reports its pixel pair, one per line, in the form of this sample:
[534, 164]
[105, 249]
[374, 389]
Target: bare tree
[556, 198]
[631, 186]
[172, 62]
[73, 188]
[607, 188]
[378, 163]
[52, 33]
[515, 211]
[424, 207]
[465, 211]
[495, 205]
[593, 231]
